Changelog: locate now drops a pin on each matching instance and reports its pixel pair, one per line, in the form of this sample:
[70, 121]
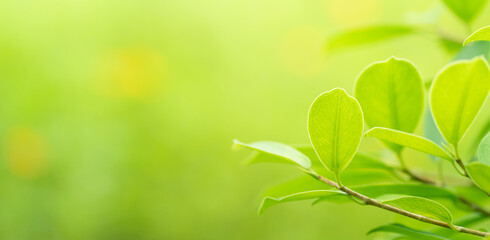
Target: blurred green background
[117, 117]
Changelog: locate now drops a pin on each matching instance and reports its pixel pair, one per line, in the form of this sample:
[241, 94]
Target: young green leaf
[391, 94]
[367, 35]
[456, 96]
[480, 174]
[484, 150]
[466, 10]
[482, 34]
[407, 232]
[283, 152]
[424, 207]
[335, 126]
[267, 202]
[408, 140]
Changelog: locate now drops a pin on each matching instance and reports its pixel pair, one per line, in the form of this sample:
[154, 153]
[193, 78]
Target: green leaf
[431, 132]
[408, 232]
[480, 174]
[282, 152]
[422, 206]
[408, 140]
[466, 10]
[391, 94]
[457, 94]
[335, 126]
[474, 49]
[484, 150]
[267, 202]
[414, 189]
[482, 34]
[367, 35]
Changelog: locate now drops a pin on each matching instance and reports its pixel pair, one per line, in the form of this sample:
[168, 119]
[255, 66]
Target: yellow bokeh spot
[25, 152]
[349, 13]
[301, 51]
[131, 73]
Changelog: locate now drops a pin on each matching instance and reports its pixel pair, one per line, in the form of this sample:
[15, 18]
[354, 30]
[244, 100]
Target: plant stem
[417, 178]
[372, 202]
[470, 204]
[461, 164]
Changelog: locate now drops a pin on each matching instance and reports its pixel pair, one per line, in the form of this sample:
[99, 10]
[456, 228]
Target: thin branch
[372, 202]
[417, 178]
[461, 164]
[462, 199]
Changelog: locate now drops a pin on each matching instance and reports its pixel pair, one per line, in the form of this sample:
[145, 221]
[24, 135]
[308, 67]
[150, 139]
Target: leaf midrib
[394, 115]
[336, 138]
[461, 104]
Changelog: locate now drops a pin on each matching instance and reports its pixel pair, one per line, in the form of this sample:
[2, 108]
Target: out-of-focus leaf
[484, 150]
[408, 140]
[367, 35]
[457, 95]
[480, 174]
[485, 129]
[267, 202]
[431, 132]
[282, 152]
[335, 126]
[451, 46]
[408, 232]
[474, 49]
[419, 190]
[466, 10]
[364, 161]
[424, 207]
[482, 34]
[391, 94]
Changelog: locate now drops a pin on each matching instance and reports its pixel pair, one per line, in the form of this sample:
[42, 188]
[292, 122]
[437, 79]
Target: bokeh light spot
[348, 13]
[131, 73]
[26, 152]
[301, 51]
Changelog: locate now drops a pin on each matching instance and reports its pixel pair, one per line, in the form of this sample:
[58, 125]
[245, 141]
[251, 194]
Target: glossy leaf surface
[422, 206]
[391, 94]
[457, 95]
[335, 125]
[408, 140]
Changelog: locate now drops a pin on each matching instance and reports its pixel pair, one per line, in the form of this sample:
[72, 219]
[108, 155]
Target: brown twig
[369, 201]
[462, 199]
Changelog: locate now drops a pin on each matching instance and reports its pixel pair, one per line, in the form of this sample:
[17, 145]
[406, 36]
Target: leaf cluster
[388, 103]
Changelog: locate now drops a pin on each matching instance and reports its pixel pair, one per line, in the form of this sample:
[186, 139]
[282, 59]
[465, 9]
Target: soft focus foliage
[117, 116]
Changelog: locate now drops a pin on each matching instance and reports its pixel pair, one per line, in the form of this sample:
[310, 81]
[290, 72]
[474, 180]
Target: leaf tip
[236, 144]
[264, 205]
